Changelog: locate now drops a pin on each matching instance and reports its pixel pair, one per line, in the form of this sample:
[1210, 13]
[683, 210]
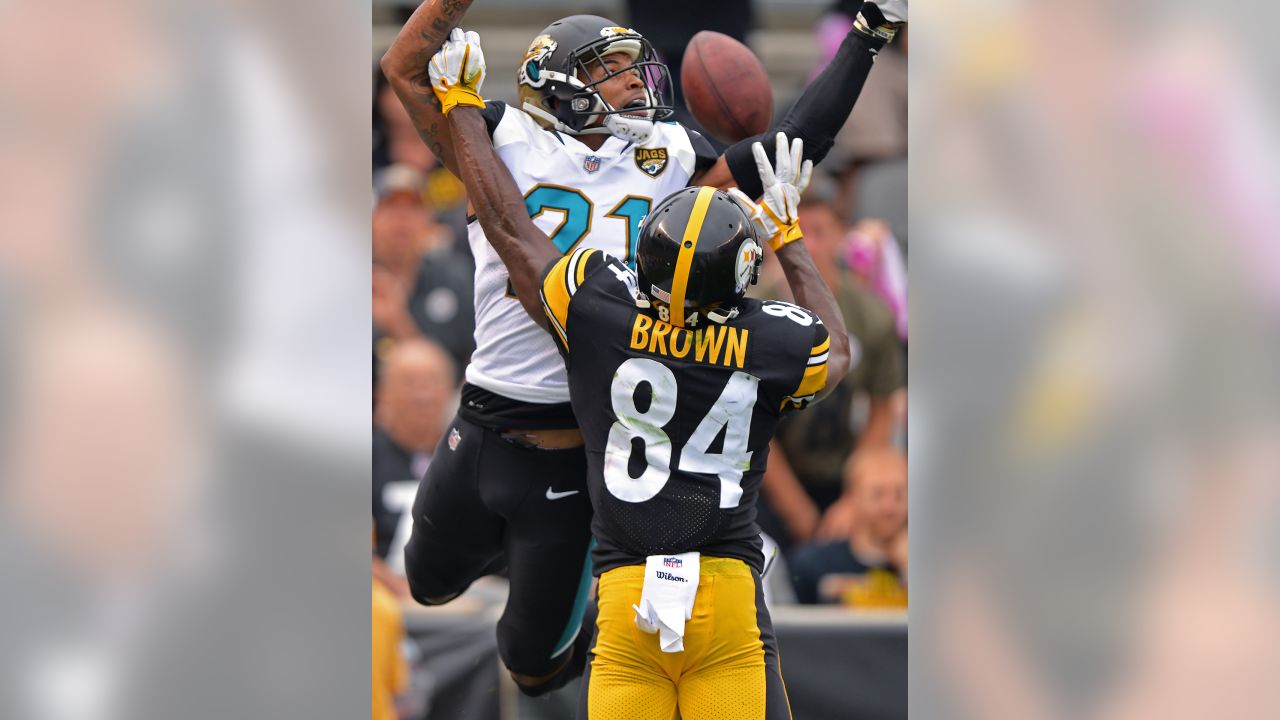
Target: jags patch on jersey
[651, 161]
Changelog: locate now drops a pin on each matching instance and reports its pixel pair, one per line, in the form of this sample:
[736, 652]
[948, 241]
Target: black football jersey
[677, 421]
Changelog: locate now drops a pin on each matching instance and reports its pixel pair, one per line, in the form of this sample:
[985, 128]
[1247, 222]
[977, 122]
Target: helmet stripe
[688, 245]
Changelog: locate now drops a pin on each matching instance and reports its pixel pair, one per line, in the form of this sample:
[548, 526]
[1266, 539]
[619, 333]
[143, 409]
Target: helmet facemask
[634, 122]
[570, 101]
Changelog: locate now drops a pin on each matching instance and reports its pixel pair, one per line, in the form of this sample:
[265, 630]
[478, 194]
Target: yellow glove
[457, 71]
[778, 214]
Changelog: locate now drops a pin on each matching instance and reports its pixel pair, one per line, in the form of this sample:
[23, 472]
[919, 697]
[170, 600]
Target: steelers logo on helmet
[696, 255]
[556, 84]
[748, 268]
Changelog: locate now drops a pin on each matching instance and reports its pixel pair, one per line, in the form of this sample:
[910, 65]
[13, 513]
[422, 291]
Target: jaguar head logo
[533, 67]
[651, 161]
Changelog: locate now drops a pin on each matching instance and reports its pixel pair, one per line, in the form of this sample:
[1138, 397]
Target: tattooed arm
[405, 65]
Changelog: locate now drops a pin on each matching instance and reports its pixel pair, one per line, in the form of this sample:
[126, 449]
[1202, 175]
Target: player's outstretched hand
[778, 213]
[894, 10]
[457, 71]
[881, 19]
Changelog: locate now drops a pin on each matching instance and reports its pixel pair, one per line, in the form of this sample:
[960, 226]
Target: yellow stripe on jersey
[564, 339]
[555, 296]
[559, 286]
[815, 376]
[578, 268]
[821, 347]
[684, 260]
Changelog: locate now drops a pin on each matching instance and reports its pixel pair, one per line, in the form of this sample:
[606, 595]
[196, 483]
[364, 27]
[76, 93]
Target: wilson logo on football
[651, 161]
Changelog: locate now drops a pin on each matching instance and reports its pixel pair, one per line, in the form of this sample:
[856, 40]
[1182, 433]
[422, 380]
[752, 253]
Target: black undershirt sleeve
[704, 154]
[818, 115]
[492, 113]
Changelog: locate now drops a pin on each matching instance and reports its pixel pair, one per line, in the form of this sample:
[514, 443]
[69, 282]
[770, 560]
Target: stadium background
[841, 661]
[184, 377]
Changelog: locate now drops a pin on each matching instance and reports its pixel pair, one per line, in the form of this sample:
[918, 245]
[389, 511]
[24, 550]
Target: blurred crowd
[835, 492]
[182, 380]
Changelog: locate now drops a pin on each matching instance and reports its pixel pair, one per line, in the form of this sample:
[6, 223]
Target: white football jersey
[581, 198]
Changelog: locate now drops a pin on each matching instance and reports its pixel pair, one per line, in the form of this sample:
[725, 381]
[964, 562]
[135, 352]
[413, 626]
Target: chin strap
[541, 114]
[633, 129]
[719, 317]
[636, 130]
[722, 316]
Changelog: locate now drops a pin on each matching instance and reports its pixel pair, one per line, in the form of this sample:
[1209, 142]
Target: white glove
[457, 71]
[881, 19]
[895, 11]
[778, 214]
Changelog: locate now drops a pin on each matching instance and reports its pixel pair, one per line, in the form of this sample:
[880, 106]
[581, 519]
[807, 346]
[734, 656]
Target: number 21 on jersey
[577, 209]
[730, 413]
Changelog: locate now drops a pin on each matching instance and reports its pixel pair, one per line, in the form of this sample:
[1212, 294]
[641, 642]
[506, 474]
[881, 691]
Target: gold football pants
[727, 671]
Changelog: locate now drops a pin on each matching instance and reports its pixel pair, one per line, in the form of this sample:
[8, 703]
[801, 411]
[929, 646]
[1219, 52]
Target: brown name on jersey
[713, 344]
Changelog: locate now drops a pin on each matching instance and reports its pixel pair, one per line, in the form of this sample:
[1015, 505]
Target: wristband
[459, 95]
[785, 236]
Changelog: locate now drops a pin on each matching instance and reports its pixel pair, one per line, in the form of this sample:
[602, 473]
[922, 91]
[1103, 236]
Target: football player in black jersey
[592, 95]
[678, 381]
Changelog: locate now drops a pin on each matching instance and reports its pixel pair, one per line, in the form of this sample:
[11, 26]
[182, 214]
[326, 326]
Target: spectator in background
[877, 127]
[421, 285]
[872, 254]
[396, 142]
[868, 567]
[870, 152]
[809, 450]
[390, 671]
[415, 400]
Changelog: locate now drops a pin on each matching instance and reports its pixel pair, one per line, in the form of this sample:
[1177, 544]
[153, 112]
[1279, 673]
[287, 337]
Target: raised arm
[811, 292]
[778, 214]
[454, 77]
[825, 104]
[524, 249]
[405, 65]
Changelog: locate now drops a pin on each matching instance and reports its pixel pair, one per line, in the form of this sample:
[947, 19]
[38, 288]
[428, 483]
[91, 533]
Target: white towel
[666, 600]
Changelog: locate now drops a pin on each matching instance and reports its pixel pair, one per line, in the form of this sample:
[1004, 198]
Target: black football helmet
[555, 86]
[697, 254]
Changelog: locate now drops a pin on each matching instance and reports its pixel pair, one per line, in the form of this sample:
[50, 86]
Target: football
[725, 87]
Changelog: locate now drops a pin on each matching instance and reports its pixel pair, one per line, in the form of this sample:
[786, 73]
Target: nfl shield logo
[454, 438]
[591, 164]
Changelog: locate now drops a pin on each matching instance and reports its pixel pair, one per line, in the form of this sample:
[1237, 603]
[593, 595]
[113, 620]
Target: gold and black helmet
[696, 256]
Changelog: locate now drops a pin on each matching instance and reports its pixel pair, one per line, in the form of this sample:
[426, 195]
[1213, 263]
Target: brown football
[725, 87]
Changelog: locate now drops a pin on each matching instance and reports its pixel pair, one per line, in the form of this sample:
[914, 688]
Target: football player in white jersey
[590, 152]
